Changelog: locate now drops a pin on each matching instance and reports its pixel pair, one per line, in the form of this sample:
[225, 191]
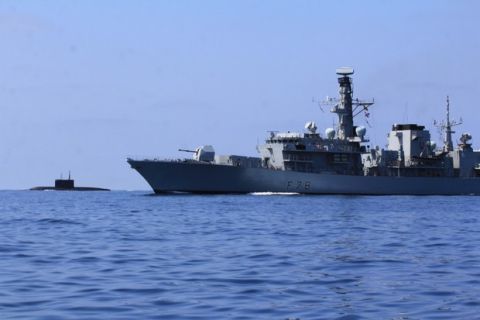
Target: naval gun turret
[203, 153]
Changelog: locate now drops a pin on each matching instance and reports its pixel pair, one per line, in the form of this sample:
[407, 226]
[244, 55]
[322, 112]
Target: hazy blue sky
[84, 84]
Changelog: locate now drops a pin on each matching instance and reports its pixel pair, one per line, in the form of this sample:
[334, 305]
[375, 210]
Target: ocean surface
[132, 255]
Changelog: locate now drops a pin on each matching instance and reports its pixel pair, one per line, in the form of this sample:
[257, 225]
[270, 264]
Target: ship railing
[152, 158]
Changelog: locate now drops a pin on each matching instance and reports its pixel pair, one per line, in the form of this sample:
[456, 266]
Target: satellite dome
[360, 131]
[330, 133]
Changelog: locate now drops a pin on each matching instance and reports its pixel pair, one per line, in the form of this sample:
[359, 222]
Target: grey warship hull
[340, 162]
[197, 177]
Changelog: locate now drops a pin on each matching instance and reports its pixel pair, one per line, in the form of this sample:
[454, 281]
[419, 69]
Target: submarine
[66, 185]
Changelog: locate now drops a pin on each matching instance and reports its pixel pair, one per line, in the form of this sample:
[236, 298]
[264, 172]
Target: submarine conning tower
[344, 106]
[65, 183]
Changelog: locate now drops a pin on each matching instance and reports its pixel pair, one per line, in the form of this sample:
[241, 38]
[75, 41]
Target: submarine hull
[198, 177]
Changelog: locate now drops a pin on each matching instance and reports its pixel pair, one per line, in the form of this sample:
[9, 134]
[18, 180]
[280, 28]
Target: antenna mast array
[346, 107]
[446, 126]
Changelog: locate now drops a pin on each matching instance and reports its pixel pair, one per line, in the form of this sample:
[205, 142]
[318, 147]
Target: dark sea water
[130, 255]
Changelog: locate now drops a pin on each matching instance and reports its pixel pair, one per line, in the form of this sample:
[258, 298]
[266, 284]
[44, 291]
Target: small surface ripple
[125, 255]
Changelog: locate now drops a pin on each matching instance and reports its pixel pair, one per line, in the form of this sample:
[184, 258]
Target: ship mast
[345, 105]
[446, 126]
[448, 144]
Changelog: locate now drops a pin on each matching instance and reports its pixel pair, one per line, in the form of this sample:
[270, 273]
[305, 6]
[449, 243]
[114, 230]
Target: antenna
[319, 103]
[445, 126]
[362, 106]
[345, 71]
[345, 106]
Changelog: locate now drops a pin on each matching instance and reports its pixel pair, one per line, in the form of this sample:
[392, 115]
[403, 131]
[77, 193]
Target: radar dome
[360, 131]
[330, 133]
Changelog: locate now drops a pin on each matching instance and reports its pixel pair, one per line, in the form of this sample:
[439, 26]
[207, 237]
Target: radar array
[445, 126]
[345, 105]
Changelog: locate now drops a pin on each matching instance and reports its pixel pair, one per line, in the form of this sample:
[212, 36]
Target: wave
[274, 193]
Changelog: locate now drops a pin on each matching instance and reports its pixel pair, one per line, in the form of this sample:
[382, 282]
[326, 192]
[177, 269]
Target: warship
[338, 162]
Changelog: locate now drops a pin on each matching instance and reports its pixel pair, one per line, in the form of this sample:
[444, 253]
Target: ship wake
[274, 193]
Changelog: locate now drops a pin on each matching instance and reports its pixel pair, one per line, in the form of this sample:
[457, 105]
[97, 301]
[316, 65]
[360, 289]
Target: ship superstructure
[338, 162]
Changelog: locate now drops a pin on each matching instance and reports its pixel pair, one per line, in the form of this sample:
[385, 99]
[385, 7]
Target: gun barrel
[185, 150]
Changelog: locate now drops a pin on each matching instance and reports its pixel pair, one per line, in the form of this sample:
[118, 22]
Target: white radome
[360, 131]
[330, 133]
